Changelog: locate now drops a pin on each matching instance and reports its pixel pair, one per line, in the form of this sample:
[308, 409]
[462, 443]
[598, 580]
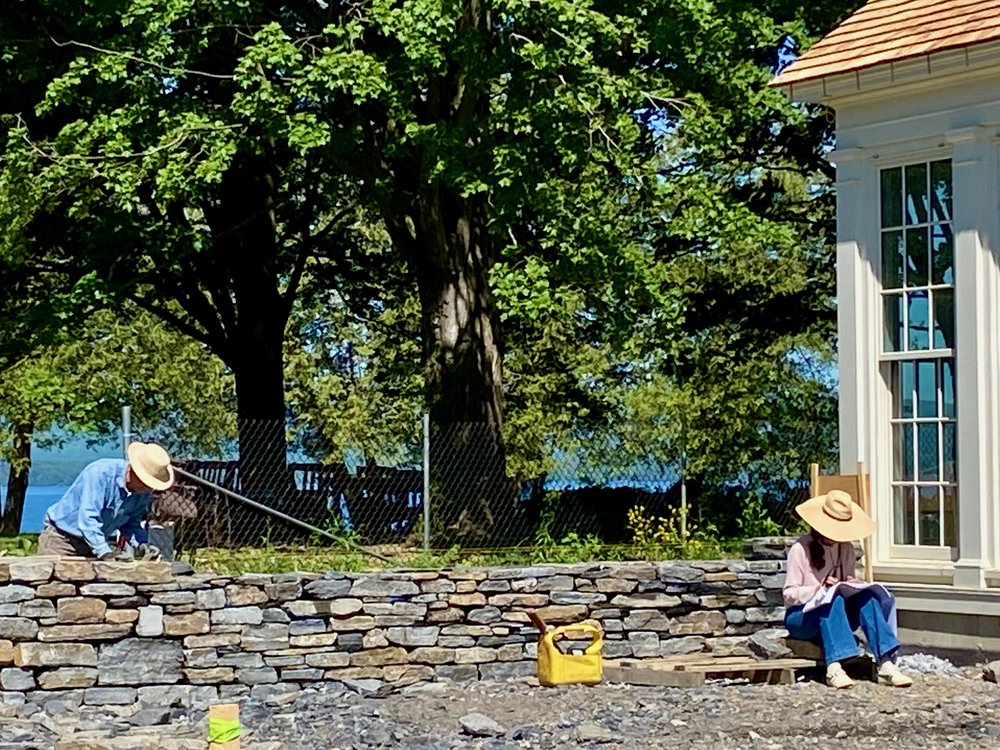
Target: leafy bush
[23, 545]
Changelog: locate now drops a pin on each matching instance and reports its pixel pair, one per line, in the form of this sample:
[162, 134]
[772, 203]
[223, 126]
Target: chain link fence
[460, 488]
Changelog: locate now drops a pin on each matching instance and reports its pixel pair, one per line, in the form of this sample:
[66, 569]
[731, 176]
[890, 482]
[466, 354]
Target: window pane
[918, 335]
[941, 190]
[948, 388]
[927, 388]
[916, 194]
[950, 516]
[893, 304]
[949, 469]
[942, 254]
[927, 452]
[902, 390]
[902, 452]
[902, 515]
[930, 515]
[892, 197]
[917, 249]
[892, 260]
[944, 318]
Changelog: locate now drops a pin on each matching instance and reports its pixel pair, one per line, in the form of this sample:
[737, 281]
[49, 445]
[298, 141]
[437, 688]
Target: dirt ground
[960, 711]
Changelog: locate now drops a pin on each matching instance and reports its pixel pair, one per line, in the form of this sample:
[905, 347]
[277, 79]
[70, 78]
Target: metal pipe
[427, 482]
[282, 516]
[684, 491]
[126, 429]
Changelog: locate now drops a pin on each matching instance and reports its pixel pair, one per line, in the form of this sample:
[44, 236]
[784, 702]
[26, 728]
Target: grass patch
[319, 559]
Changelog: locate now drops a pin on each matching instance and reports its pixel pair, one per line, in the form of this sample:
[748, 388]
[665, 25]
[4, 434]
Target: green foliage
[755, 521]
[353, 373]
[267, 559]
[653, 534]
[178, 392]
[23, 545]
[571, 548]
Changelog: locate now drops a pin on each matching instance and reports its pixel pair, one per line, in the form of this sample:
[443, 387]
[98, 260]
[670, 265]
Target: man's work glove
[148, 552]
[115, 555]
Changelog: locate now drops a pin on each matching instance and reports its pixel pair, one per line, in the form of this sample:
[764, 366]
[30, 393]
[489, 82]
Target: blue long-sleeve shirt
[97, 505]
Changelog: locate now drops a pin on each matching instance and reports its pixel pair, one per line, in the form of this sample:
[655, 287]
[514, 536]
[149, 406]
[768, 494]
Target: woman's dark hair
[817, 552]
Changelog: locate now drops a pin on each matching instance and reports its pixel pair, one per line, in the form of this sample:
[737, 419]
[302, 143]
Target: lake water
[36, 502]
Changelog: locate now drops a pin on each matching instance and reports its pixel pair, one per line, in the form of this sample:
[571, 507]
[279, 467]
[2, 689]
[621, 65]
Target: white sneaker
[837, 678]
[889, 674]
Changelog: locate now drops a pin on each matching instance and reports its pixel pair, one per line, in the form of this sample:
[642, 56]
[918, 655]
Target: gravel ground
[955, 711]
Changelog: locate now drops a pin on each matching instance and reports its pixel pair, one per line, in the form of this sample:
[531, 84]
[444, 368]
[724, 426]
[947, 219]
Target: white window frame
[916, 551]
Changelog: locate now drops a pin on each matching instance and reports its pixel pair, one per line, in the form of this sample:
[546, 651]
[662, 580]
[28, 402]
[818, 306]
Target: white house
[915, 85]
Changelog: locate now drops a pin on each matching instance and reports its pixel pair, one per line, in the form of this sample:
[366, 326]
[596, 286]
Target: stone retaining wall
[119, 633]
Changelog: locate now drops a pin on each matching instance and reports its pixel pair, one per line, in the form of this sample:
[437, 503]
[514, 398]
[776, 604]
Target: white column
[849, 322]
[975, 215]
[860, 336]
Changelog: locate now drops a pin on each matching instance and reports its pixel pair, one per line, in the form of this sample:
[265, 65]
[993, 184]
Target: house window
[918, 293]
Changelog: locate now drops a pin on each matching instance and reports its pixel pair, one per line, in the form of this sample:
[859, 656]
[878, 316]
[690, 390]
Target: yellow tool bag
[557, 668]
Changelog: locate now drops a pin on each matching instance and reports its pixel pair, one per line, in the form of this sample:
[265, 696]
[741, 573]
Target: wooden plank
[730, 662]
[774, 677]
[673, 662]
[864, 488]
[675, 673]
[653, 677]
[735, 665]
[753, 667]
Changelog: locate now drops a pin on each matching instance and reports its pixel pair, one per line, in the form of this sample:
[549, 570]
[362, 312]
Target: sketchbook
[847, 589]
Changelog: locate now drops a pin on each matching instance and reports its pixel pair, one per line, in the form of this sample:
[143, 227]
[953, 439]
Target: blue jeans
[834, 624]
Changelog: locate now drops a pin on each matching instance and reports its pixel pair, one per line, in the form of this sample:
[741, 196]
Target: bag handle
[594, 632]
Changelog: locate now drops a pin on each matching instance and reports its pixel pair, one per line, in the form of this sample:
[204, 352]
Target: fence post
[427, 482]
[684, 500]
[126, 429]
[684, 489]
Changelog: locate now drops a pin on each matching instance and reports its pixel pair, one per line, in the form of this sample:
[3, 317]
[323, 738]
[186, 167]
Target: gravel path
[959, 711]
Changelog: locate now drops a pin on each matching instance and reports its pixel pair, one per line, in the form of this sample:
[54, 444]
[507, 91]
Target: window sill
[903, 554]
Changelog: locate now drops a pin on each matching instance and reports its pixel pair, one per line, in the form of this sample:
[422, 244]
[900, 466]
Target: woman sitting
[822, 559]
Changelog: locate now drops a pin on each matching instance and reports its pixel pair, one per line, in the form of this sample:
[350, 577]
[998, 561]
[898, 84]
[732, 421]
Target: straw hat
[151, 465]
[837, 517]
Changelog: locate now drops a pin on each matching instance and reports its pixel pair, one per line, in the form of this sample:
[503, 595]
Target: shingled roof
[886, 31]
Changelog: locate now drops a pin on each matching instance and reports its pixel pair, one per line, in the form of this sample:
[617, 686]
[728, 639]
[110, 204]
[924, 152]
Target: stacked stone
[120, 633]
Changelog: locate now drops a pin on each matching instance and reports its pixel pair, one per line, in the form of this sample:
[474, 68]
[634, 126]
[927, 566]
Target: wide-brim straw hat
[837, 517]
[151, 465]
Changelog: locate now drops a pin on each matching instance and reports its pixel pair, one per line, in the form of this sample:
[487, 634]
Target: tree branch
[134, 58]
[176, 321]
[307, 250]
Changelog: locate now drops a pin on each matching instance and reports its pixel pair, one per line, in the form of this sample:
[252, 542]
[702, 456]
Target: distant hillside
[59, 466]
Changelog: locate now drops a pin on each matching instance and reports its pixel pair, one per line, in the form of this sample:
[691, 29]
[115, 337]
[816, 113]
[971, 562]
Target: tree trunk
[448, 247]
[473, 501]
[260, 410]
[17, 480]
[462, 361]
[246, 235]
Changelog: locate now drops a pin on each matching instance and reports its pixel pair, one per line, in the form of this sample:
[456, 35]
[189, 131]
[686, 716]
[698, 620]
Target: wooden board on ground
[693, 671]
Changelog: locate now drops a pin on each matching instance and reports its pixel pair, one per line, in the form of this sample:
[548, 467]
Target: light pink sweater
[803, 581]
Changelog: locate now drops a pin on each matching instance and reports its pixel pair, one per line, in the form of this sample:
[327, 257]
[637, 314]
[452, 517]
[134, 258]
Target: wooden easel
[858, 487]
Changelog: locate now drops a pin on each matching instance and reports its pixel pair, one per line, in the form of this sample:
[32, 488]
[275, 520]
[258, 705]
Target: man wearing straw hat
[825, 601]
[110, 496]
